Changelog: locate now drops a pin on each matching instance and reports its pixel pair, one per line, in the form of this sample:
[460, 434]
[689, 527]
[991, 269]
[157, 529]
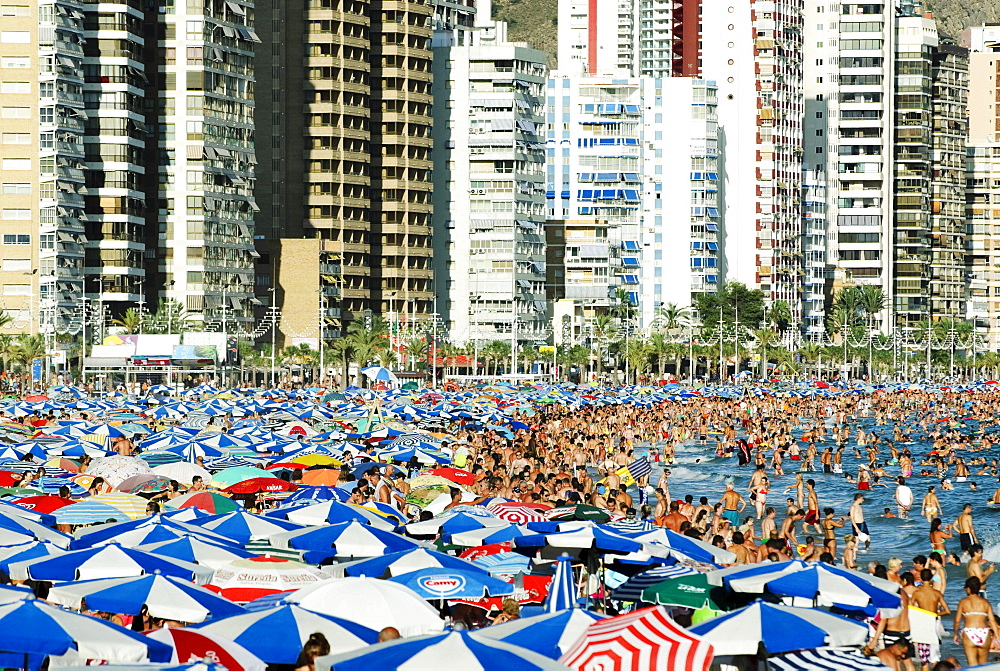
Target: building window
[16, 239]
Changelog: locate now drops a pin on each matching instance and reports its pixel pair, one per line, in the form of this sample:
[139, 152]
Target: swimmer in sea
[930, 507]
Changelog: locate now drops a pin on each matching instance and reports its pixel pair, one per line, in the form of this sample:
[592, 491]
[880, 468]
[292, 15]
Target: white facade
[206, 205]
[640, 154]
[489, 205]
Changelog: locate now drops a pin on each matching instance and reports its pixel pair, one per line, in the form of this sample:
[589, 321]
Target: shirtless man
[732, 504]
[812, 508]
[768, 529]
[674, 520]
[788, 526]
[737, 548]
[966, 529]
[858, 524]
[124, 446]
[896, 629]
[978, 566]
[931, 600]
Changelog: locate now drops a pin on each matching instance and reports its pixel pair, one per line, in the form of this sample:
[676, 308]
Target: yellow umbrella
[318, 459]
[131, 505]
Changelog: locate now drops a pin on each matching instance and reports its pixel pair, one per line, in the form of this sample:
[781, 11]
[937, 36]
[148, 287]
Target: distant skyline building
[489, 201]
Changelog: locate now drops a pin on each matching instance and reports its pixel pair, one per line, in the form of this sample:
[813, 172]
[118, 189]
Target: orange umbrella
[321, 477]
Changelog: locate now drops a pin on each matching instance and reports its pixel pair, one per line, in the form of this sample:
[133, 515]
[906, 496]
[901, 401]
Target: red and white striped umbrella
[646, 640]
[517, 513]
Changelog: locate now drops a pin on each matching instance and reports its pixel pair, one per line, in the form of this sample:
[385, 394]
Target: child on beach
[850, 552]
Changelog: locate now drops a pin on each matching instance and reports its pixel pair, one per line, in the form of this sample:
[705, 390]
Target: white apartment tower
[754, 52]
[489, 201]
[207, 159]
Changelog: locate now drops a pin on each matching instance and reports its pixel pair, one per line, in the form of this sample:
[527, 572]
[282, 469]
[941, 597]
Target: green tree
[27, 349]
[367, 342]
[131, 321]
[811, 353]
[780, 315]
[416, 349]
[671, 317]
[604, 329]
[637, 354]
[765, 338]
[172, 317]
[732, 298]
[342, 350]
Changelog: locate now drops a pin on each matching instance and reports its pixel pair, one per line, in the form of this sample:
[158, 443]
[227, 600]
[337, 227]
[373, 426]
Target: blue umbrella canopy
[105, 562]
[456, 650]
[445, 583]
[551, 634]
[31, 630]
[164, 596]
[347, 539]
[399, 563]
[276, 635]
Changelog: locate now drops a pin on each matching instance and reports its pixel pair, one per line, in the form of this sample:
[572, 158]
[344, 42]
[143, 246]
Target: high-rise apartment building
[489, 195]
[41, 163]
[754, 52]
[640, 154]
[345, 98]
[205, 143]
[982, 259]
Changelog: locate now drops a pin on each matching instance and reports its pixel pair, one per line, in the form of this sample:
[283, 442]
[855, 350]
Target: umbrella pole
[604, 589]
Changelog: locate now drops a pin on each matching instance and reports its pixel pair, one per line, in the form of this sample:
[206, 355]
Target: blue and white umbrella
[31, 630]
[778, 629]
[832, 659]
[12, 519]
[421, 454]
[398, 563]
[505, 563]
[89, 512]
[580, 539]
[108, 561]
[562, 591]
[453, 522]
[164, 597]
[486, 535]
[335, 512]
[148, 528]
[551, 634]
[454, 650]
[347, 539]
[444, 583]
[32, 550]
[277, 635]
[197, 551]
[243, 527]
[691, 548]
[379, 374]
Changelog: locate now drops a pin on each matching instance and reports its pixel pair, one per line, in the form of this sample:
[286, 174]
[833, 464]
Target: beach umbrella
[424, 455]
[687, 591]
[578, 540]
[399, 563]
[12, 554]
[456, 475]
[379, 374]
[334, 512]
[210, 502]
[691, 548]
[441, 583]
[562, 591]
[551, 634]
[316, 494]
[182, 471]
[51, 485]
[269, 484]
[117, 469]
[456, 649]
[343, 540]
[643, 639]
[277, 635]
[631, 589]
[197, 551]
[164, 596]
[504, 564]
[486, 535]
[172, 521]
[578, 512]
[43, 504]
[144, 484]
[189, 645]
[106, 561]
[834, 659]
[778, 629]
[232, 476]
[31, 630]
[248, 579]
[89, 512]
[518, 513]
[451, 523]
[372, 603]
[131, 505]
[243, 527]
[835, 587]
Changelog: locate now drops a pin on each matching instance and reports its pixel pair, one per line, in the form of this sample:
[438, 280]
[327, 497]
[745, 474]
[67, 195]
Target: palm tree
[416, 349]
[367, 342]
[780, 315]
[812, 353]
[660, 347]
[497, 351]
[342, 349]
[132, 321]
[27, 349]
[671, 317]
[604, 327]
[765, 338]
[637, 354]
[172, 317]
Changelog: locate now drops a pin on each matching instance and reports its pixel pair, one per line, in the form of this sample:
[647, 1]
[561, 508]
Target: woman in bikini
[939, 535]
[930, 507]
[979, 626]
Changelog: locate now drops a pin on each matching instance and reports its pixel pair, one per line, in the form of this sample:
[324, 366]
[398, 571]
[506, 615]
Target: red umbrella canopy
[8, 478]
[43, 504]
[455, 475]
[36, 398]
[257, 485]
[643, 639]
